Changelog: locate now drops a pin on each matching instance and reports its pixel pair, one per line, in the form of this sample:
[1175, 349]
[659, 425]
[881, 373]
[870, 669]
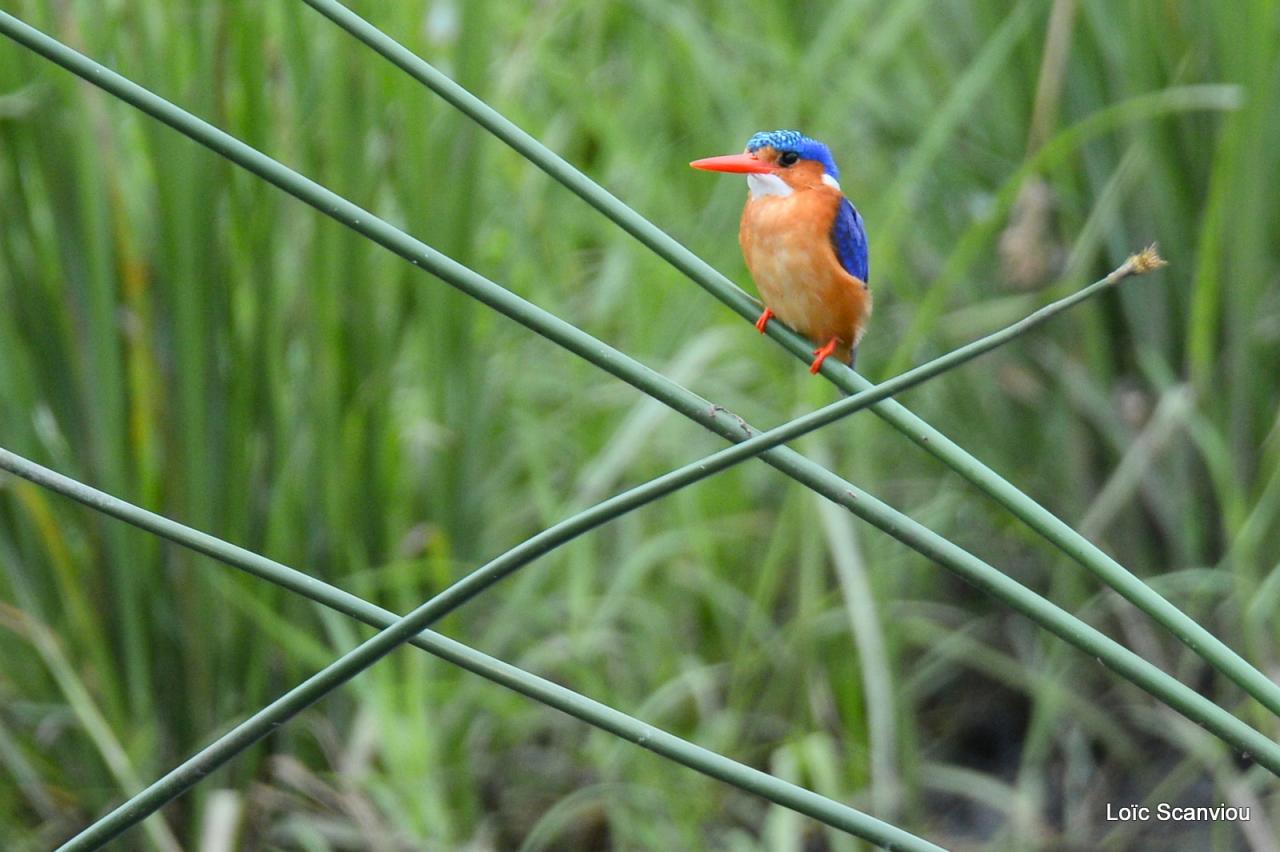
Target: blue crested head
[792, 141]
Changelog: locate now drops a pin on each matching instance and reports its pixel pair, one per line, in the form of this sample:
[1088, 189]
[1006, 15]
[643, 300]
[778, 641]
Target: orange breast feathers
[786, 240]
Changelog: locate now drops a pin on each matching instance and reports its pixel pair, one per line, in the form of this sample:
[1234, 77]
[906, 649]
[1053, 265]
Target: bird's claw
[763, 322]
[822, 354]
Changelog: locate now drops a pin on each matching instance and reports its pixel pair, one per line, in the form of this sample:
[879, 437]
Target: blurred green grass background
[180, 334]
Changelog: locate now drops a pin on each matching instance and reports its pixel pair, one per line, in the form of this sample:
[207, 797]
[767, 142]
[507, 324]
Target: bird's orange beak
[735, 163]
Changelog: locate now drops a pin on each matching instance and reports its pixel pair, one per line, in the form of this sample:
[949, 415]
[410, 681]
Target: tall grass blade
[554, 695]
[1044, 522]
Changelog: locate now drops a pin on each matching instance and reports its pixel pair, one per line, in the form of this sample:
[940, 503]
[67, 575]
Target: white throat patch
[762, 185]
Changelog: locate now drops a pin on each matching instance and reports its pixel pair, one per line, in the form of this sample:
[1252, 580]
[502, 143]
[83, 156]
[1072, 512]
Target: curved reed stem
[594, 713]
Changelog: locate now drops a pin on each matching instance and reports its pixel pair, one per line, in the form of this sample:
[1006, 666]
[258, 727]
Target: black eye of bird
[788, 158]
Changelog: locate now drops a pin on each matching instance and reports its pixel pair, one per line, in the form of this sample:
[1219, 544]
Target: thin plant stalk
[352, 663]
[827, 811]
[606, 718]
[1199, 639]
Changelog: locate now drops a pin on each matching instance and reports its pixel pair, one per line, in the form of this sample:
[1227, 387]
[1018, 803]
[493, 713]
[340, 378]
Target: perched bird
[803, 240]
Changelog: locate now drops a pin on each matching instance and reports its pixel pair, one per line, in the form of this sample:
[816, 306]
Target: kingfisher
[803, 241]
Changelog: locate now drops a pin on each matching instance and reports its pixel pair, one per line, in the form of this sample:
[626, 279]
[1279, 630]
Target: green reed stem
[1216, 652]
[825, 810]
[592, 712]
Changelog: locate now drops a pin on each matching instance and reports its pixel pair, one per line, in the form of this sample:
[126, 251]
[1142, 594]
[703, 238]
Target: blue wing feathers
[850, 241]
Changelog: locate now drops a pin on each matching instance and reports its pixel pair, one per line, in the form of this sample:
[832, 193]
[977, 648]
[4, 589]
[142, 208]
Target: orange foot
[764, 320]
[822, 355]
